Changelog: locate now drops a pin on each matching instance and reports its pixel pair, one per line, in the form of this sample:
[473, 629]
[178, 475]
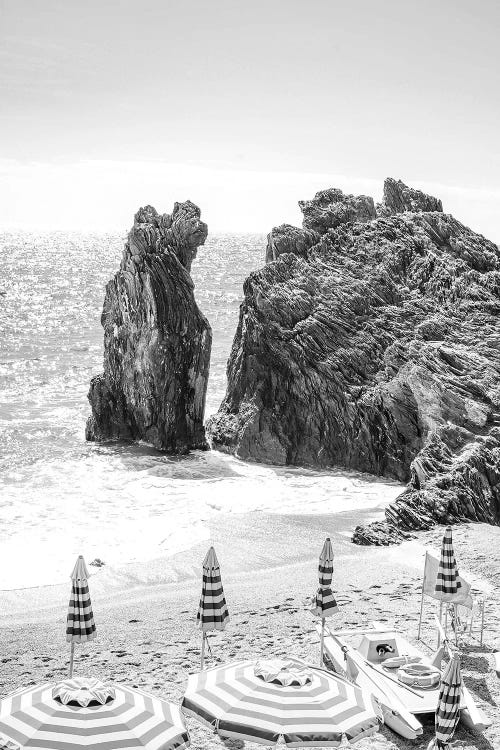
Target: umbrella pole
[440, 616]
[322, 642]
[71, 659]
[202, 661]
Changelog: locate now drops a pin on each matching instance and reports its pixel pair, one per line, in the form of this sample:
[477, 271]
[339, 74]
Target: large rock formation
[399, 198]
[371, 340]
[156, 341]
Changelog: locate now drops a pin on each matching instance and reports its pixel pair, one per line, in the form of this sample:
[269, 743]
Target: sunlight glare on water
[60, 495]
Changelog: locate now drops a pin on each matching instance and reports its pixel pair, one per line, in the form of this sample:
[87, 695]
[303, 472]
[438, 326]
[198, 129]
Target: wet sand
[145, 614]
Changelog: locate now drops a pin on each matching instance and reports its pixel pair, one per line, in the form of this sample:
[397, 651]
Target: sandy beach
[145, 614]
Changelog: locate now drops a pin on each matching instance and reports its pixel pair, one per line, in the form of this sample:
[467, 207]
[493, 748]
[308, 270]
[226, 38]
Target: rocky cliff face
[156, 341]
[371, 340]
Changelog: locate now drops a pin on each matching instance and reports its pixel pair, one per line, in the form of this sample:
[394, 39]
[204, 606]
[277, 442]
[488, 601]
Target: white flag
[463, 595]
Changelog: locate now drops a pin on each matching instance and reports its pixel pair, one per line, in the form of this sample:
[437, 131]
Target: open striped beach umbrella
[264, 702]
[447, 579]
[62, 717]
[212, 611]
[80, 626]
[324, 601]
[448, 710]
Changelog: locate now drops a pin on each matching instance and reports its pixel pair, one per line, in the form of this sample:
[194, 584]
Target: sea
[61, 496]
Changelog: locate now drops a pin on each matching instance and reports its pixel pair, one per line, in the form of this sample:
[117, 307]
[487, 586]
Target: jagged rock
[380, 534]
[377, 349]
[288, 239]
[330, 208]
[156, 341]
[398, 198]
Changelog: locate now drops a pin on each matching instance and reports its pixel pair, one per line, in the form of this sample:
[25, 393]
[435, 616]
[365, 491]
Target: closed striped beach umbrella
[324, 601]
[447, 579]
[265, 702]
[62, 717]
[212, 611]
[80, 626]
[448, 709]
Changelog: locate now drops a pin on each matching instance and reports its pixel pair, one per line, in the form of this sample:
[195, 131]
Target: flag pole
[421, 611]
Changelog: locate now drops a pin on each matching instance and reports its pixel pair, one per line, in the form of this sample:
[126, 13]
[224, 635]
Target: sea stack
[371, 340]
[156, 340]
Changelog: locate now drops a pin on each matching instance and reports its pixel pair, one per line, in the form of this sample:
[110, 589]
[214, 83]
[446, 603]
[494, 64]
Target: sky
[244, 107]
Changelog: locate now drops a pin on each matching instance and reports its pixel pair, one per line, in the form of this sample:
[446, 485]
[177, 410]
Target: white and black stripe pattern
[447, 579]
[212, 612]
[33, 718]
[80, 626]
[448, 710]
[324, 604]
[241, 705]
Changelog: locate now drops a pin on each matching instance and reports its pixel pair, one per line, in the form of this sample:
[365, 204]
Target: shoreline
[111, 491]
[271, 542]
[235, 537]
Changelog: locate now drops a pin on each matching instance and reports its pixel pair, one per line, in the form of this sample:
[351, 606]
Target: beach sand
[146, 614]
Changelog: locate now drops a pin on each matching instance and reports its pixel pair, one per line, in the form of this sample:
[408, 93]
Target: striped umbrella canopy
[324, 601]
[447, 579]
[264, 702]
[212, 611]
[448, 709]
[39, 718]
[80, 625]
[324, 604]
